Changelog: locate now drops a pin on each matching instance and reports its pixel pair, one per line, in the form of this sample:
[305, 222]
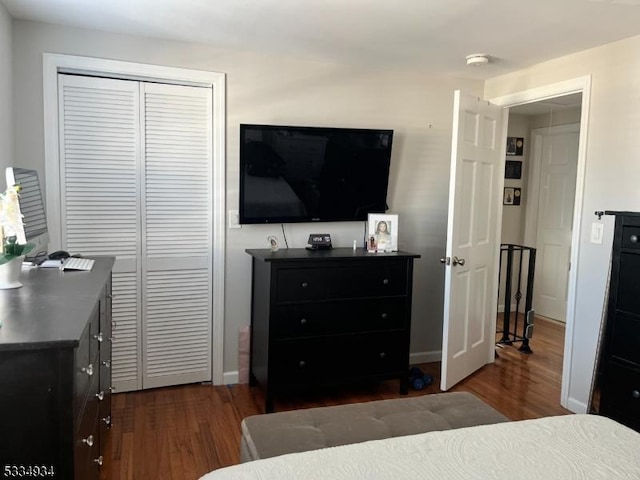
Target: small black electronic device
[58, 255]
[319, 241]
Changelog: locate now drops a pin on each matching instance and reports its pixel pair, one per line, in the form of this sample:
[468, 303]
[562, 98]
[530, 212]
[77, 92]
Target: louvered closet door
[100, 205]
[136, 183]
[177, 239]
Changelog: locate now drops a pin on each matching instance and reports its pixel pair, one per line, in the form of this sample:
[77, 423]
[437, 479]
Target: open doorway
[541, 175]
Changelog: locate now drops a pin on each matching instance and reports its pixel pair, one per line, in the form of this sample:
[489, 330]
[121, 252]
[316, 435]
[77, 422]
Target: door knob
[446, 260]
[457, 261]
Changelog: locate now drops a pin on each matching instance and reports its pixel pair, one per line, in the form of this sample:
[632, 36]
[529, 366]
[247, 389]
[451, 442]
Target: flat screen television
[294, 174]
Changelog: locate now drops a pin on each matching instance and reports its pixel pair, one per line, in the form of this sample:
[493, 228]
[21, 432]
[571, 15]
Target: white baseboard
[425, 357]
[513, 308]
[230, 378]
[576, 406]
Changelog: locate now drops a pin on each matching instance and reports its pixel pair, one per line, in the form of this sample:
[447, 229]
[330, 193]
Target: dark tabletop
[52, 307]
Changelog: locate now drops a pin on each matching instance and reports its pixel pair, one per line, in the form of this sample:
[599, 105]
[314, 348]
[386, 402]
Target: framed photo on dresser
[382, 232]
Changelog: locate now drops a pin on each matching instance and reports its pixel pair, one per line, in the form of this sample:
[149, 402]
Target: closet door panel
[177, 234]
[100, 204]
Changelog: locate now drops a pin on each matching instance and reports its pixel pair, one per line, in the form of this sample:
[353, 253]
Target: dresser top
[52, 307]
[293, 254]
[626, 214]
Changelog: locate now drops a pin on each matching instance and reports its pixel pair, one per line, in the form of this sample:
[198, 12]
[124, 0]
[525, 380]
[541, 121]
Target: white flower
[10, 224]
[10, 217]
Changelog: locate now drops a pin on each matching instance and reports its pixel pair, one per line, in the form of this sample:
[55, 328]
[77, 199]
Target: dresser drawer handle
[114, 324]
[304, 284]
[88, 440]
[384, 316]
[100, 396]
[302, 364]
[111, 339]
[383, 355]
[634, 238]
[88, 370]
[635, 394]
[303, 321]
[98, 337]
[107, 363]
[112, 389]
[107, 419]
[385, 281]
[98, 460]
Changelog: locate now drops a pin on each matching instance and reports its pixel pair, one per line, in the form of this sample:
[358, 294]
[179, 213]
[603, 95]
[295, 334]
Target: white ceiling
[432, 36]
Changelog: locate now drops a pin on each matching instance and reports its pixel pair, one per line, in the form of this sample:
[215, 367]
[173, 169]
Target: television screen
[312, 174]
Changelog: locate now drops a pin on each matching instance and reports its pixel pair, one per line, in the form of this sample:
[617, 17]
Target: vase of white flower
[13, 252]
[10, 273]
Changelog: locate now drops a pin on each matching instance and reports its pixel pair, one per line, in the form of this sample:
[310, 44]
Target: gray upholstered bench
[273, 434]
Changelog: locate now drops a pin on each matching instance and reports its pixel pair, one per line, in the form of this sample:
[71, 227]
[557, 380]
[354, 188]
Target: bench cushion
[273, 434]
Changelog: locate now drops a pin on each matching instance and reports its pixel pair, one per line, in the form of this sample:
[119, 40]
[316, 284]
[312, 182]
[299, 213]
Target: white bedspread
[581, 447]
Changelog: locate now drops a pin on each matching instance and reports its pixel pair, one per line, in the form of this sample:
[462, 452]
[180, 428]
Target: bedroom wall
[6, 92]
[277, 89]
[612, 172]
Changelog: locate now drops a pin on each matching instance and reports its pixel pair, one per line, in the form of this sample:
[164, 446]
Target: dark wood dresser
[328, 317]
[620, 367]
[55, 373]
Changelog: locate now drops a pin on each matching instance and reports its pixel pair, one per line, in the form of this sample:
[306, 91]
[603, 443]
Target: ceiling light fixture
[477, 59]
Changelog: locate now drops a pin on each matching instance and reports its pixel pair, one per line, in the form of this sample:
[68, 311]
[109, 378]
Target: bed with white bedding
[581, 447]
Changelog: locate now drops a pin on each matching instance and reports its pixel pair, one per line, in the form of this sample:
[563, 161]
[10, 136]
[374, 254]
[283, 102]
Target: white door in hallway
[555, 161]
[471, 278]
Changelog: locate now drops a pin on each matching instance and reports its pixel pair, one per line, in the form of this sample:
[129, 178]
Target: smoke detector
[477, 59]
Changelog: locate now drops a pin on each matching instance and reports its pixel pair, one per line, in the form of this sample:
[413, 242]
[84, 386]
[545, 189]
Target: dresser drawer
[95, 335]
[620, 396]
[313, 360]
[87, 442]
[345, 316]
[631, 237]
[344, 280]
[86, 370]
[625, 338]
[629, 283]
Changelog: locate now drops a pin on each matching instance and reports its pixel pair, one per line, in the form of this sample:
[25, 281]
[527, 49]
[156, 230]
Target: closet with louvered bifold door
[135, 182]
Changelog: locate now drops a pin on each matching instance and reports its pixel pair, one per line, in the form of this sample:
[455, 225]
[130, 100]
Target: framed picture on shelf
[382, 232]
[273, 243]
[511, 196]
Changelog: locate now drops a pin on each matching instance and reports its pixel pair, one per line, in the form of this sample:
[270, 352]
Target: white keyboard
[74, 263]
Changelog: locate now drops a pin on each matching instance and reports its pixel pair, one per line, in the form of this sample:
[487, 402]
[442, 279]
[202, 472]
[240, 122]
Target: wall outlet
[597, 232]
[233, 217]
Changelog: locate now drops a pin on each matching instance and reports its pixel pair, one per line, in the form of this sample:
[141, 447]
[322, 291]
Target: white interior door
[471, 278]
[555, 156]
[176, 234]
[100, 208]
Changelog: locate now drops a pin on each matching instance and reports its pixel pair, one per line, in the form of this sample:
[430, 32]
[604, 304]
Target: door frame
[53, 64]
[576, 85]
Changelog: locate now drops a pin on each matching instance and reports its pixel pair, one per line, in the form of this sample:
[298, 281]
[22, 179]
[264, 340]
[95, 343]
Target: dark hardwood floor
[181, 433]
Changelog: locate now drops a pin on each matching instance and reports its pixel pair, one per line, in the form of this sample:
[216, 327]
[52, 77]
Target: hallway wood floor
[181, 433]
